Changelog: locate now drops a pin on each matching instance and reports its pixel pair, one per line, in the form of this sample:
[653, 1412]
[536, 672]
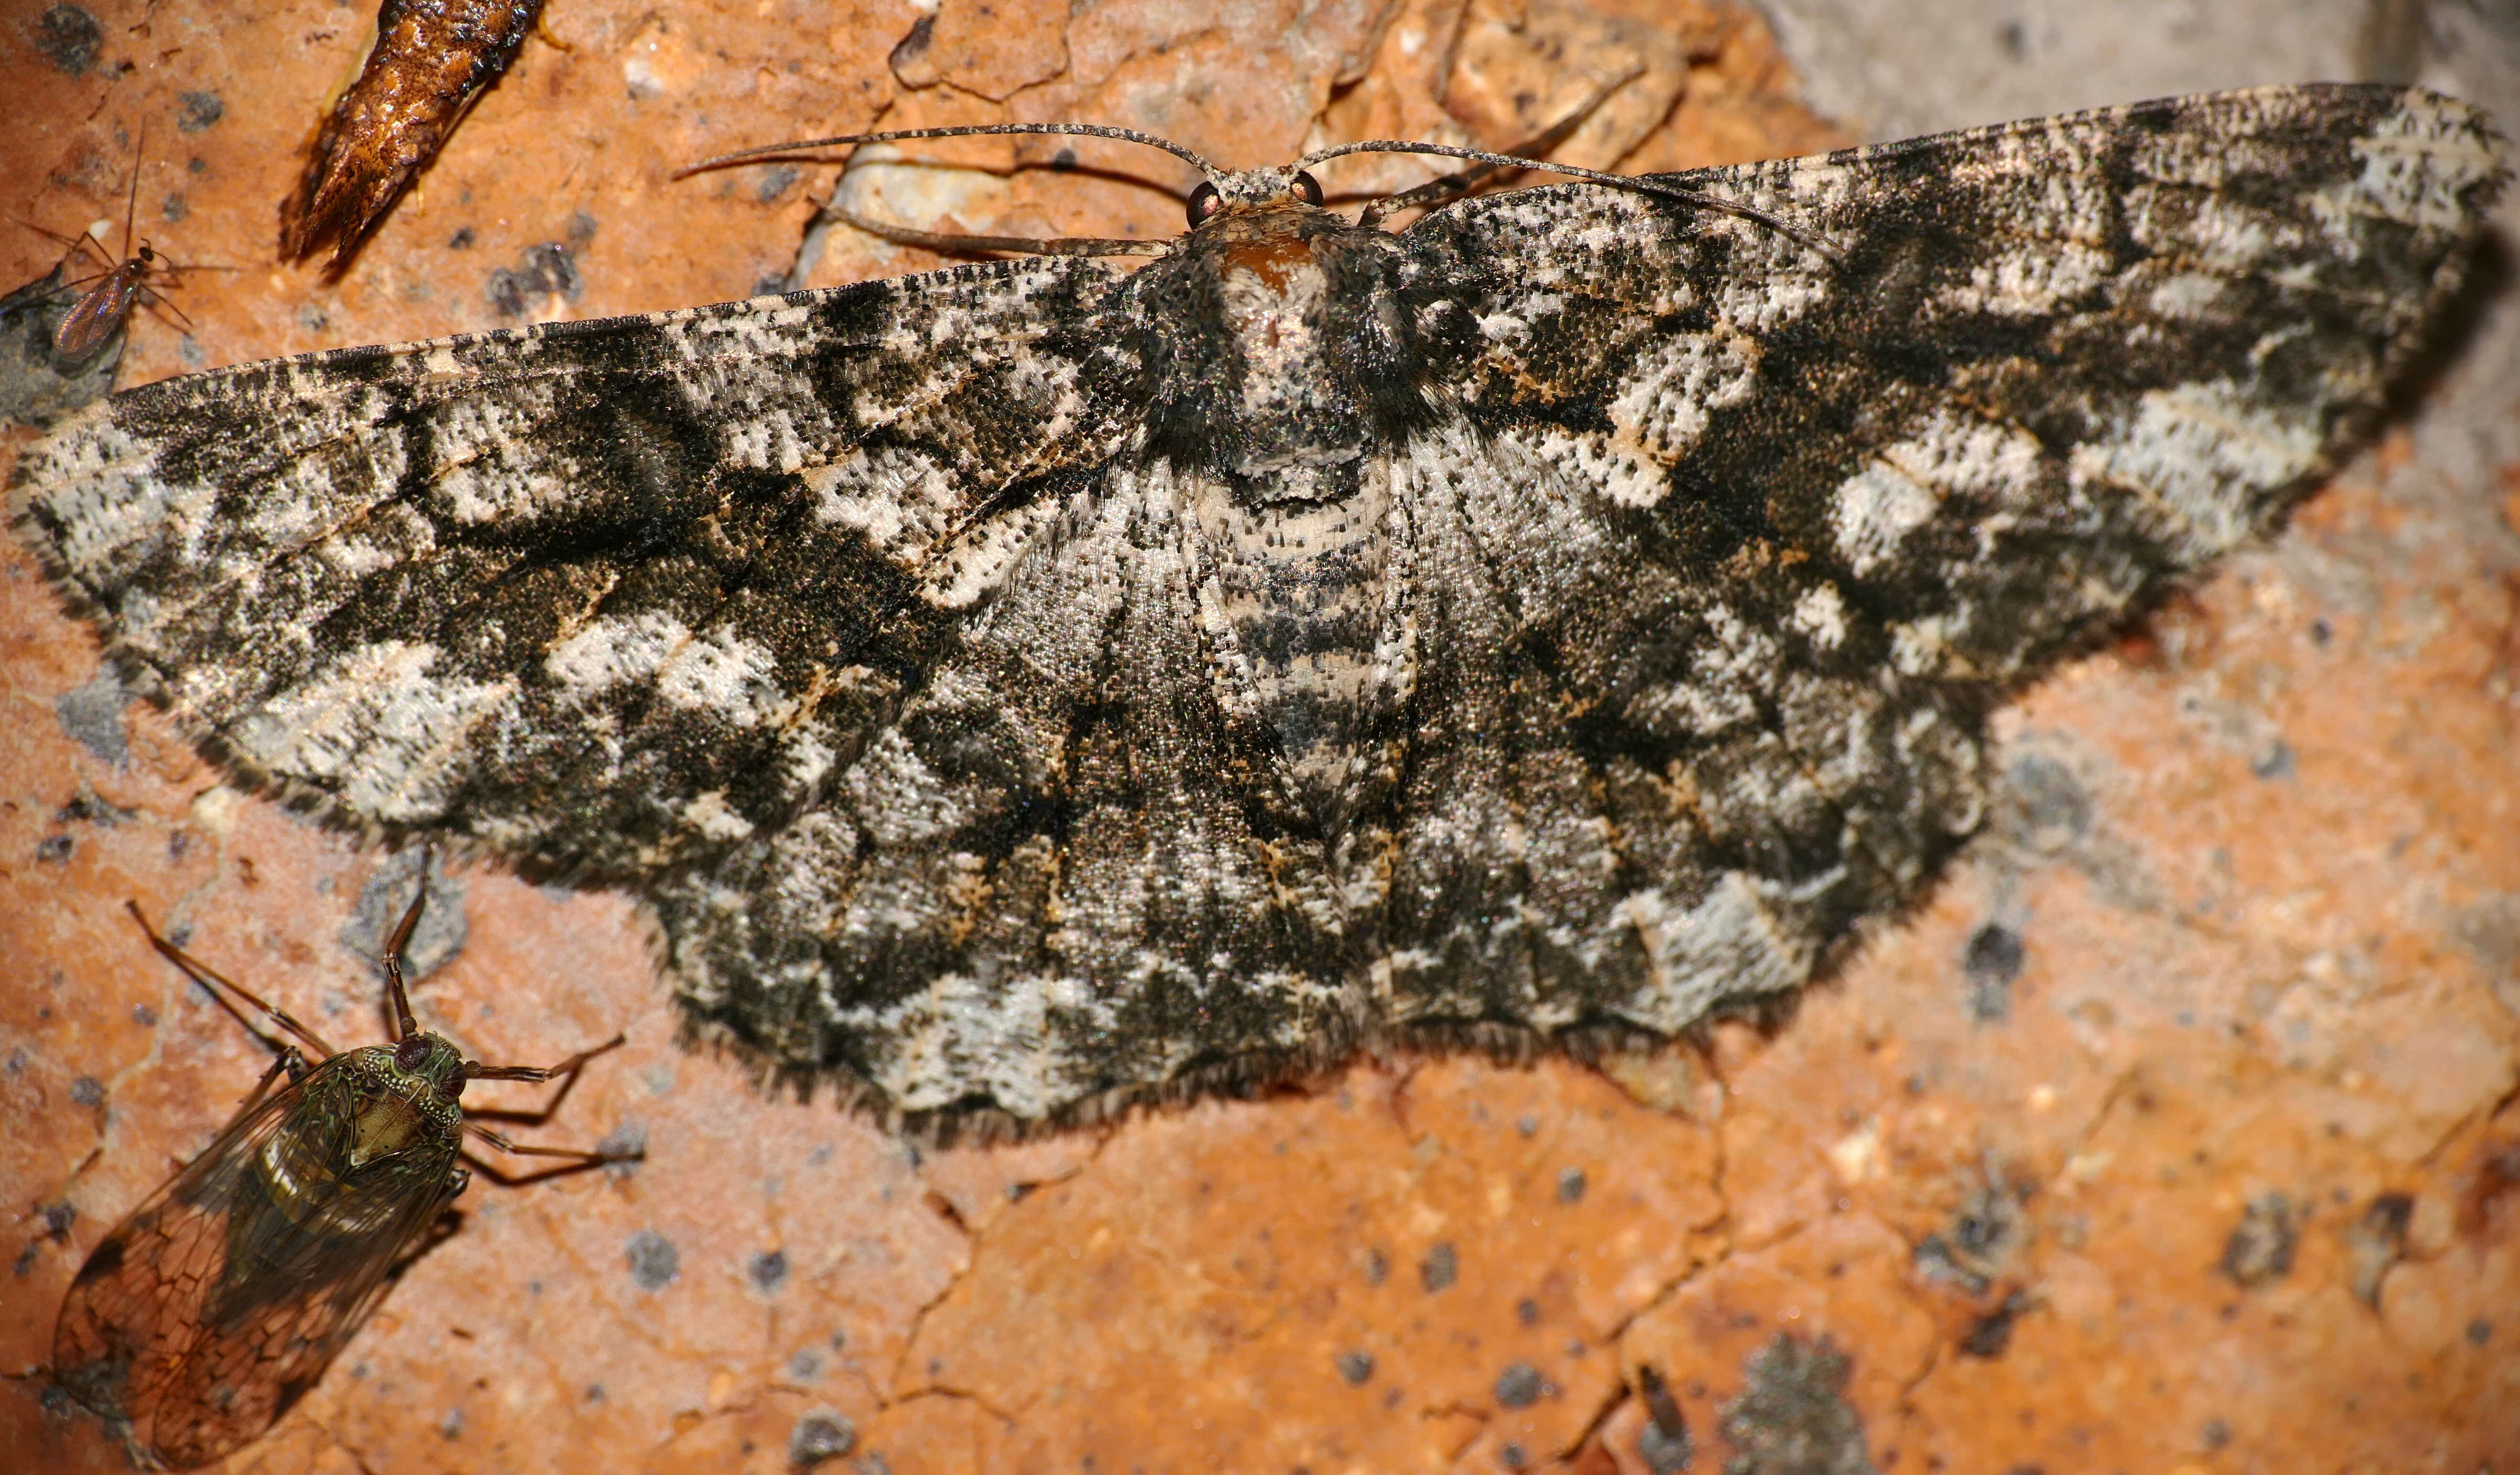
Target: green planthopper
[219, 1302]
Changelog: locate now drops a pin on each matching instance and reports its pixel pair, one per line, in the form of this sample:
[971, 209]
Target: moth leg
[1436, 192]
[213, 980]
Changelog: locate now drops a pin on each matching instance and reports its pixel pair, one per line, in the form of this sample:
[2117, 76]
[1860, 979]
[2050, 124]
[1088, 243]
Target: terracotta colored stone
[2257, 881]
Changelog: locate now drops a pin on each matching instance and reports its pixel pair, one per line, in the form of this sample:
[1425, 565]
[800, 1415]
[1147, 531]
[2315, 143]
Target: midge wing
[219, 1303]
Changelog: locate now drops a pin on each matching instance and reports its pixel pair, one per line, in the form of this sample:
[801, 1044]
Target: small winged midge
[1044, 684]
[217, 1304]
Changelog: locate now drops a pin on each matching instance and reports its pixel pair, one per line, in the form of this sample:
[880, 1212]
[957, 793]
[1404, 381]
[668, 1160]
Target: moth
[431, 63]
[1050, 683]
[208, 1311]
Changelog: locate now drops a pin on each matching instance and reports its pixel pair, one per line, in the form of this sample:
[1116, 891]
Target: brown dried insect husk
[431, 59]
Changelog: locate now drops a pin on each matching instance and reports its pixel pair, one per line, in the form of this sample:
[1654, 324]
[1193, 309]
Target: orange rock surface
[2180, 1131]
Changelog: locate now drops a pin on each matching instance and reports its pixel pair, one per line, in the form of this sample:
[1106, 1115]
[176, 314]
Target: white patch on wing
[724, 673]
[1664, 403]
[612, 650]
[2204, 455]
[1821, 614]
[1728, 944]
[1906, 483]
[377, 727]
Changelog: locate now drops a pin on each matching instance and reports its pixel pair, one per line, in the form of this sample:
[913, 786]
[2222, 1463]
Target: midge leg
[214, 981]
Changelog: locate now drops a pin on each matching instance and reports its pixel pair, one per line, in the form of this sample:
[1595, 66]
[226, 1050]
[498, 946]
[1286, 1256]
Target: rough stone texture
[2259, 857]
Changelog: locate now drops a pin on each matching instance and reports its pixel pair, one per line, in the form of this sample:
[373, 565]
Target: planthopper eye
[1205, 201]
[1307, 188]
[448, 1090]
[409, 1052]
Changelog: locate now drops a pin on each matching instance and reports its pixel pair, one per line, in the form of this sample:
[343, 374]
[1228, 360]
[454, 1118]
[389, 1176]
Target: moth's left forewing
[606, 596]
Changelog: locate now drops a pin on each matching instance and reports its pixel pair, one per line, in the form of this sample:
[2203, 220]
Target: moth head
[1253, 187]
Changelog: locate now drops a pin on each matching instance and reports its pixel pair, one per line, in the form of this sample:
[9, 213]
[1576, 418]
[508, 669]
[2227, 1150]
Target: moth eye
[1307, 188]
[1205, 201]
[409, 1052]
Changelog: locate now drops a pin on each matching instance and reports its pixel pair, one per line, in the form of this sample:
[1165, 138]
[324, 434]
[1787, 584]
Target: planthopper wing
[219, 1303]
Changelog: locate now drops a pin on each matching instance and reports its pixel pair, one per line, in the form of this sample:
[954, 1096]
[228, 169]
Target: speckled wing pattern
[1036, 684]
[214, 1306]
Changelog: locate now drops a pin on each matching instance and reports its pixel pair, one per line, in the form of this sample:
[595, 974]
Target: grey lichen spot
[768, 1270]
[653, 1261]
[1570, 1184]
[69, 38]
[1377, 1266]
[55, 850]
[436, 938]
[2272, 760]
[87, 1091]
[196, 110]
[1986, 1234]
[1440, 1268]
[2479, 1332]
[1355, 1367]
[2049, 808]
[805, 1366]
[775, 182]
[625, 1144]
[819, 1436]
[92, 714]
[1519, 1386]
[546, 270]
[1792, 1416]
[1510, 1454]
[1990, 962]
[451, 1427]
[2261, 1248]
[2377, 1240]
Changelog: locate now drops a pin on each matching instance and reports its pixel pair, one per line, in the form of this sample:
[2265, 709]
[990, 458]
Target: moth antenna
[1435, 191]
[944, 241]
[972, 130]
[1633, 185]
